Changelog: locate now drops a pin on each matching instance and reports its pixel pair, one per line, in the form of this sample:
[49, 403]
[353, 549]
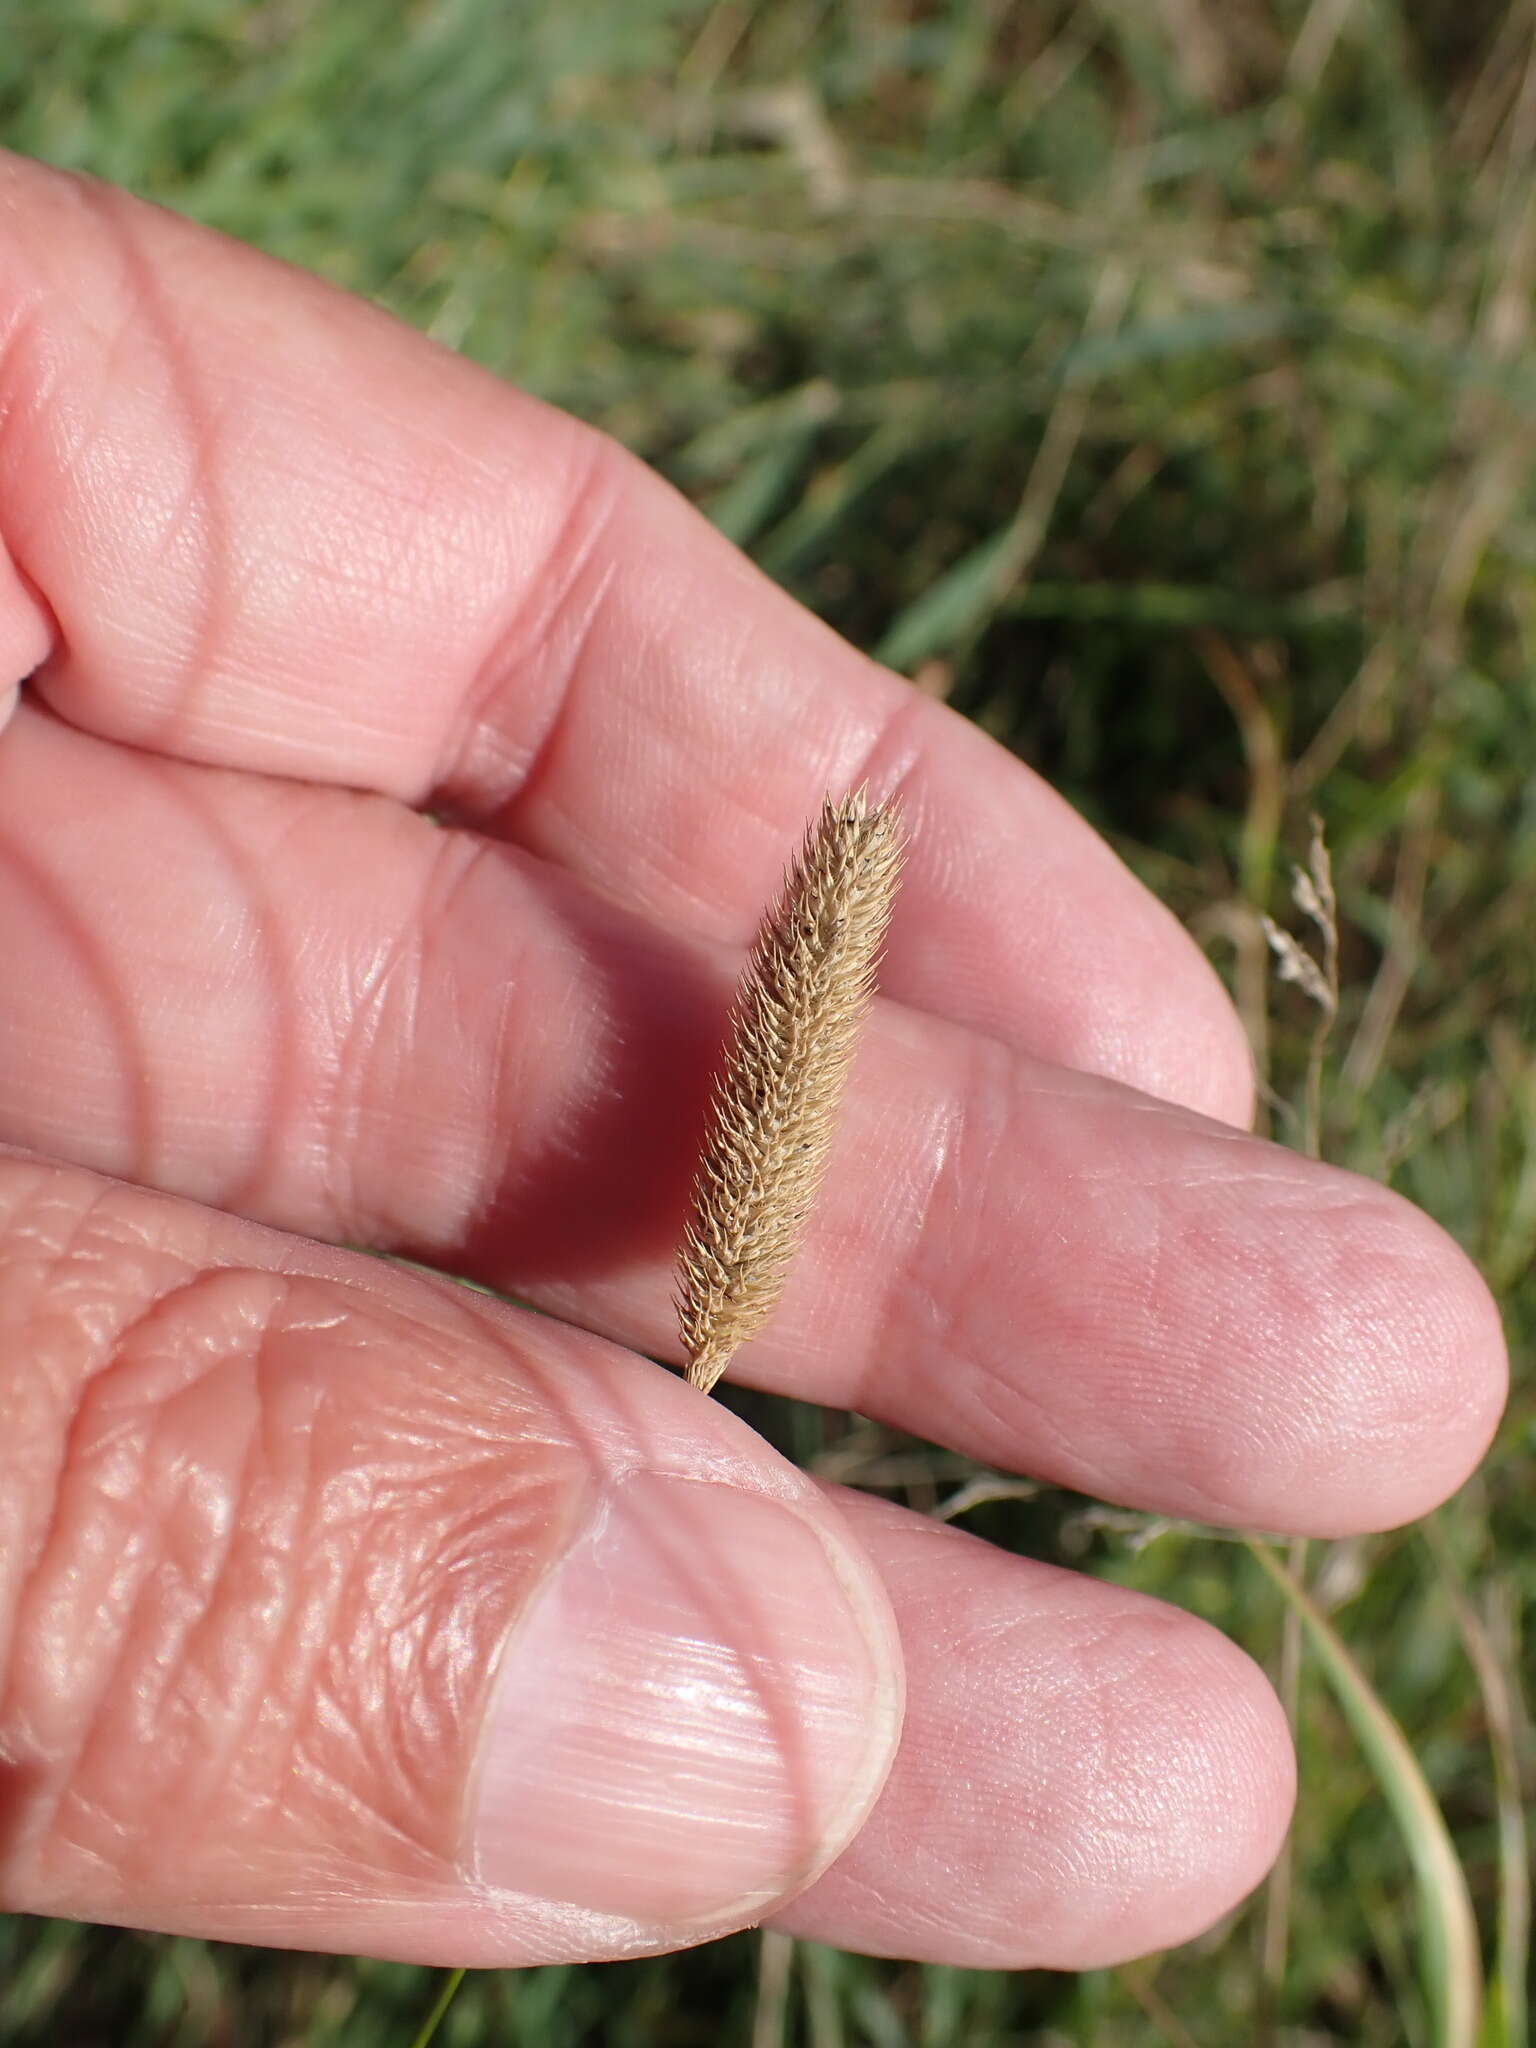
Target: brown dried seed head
[794, 1026]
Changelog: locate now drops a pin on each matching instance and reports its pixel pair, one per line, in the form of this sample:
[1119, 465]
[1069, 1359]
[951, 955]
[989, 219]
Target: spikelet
[794, 1026]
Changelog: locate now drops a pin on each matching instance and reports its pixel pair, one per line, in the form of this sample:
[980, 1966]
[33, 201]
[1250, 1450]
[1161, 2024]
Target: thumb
[344, 1609]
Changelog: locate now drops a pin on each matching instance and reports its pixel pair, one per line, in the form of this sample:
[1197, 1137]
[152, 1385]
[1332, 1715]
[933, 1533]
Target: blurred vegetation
[1154, 379]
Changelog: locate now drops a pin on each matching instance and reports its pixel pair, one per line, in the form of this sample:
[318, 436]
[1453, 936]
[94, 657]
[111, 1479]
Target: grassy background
[1155, 379]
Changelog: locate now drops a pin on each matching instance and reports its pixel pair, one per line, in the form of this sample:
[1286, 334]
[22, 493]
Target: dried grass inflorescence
[794, 1026]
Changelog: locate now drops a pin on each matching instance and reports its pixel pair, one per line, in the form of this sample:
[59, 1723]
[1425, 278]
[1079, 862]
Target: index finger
[261, 525]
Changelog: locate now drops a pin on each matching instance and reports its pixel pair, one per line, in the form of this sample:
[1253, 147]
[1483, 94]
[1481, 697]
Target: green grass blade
[958, 604]
[1507, 2022]
[440, 2005]
[775, 1968]
[1451, 1959]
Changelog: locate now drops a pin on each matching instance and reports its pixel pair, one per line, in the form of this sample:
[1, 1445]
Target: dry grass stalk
[794, 1027]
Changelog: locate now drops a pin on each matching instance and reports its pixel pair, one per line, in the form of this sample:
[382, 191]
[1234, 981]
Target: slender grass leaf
[1450, 1959]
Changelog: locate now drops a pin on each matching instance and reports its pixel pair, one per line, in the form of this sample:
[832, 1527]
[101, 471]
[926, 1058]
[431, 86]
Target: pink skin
[284, 1654]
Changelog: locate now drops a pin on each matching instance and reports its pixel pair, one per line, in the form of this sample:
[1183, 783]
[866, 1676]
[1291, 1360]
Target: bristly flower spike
[794, 1027]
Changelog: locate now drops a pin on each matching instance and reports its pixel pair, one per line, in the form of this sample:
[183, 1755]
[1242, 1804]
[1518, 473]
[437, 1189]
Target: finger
[1127, 1772]
[342, 1609]
[327, 1012]
[268, 528]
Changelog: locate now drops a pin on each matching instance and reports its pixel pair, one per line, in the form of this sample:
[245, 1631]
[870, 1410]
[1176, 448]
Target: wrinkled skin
[400, 775]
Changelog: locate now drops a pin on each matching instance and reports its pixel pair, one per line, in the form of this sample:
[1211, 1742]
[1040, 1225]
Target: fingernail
[692, 1716]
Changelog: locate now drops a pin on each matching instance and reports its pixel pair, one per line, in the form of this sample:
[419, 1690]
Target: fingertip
[1414, 1375]
[1049, 941]
[1213, 1763]
[1086, 1774]
[1343, 1362]
[1191, 1047]
[1169, 1797]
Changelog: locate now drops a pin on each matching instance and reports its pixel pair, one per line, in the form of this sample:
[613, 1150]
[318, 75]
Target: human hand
[344, 1608]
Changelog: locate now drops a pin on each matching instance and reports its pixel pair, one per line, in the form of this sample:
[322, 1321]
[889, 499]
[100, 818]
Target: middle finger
[417, 1039]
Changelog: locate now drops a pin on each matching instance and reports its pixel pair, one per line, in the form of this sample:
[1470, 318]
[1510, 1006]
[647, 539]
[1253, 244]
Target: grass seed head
[794, 1027]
